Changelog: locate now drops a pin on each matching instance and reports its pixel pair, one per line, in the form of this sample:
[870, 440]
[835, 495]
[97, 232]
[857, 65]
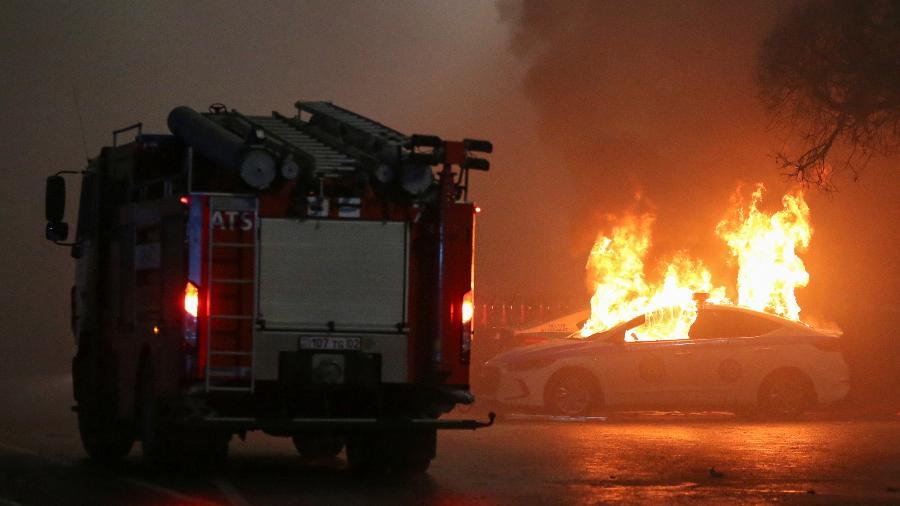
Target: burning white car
[732, 358]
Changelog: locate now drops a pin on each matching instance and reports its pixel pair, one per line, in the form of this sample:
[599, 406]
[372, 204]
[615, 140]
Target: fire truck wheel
[786, 393]
[105, 437]
[571, 393]
[318, 445]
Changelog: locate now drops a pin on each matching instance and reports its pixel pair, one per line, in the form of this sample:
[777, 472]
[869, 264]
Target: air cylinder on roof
[255, 165]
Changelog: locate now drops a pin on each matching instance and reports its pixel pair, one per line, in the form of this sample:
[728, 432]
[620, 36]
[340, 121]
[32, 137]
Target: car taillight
[191, 299]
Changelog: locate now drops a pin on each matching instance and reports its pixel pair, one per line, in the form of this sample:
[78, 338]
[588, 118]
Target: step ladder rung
[229, 367]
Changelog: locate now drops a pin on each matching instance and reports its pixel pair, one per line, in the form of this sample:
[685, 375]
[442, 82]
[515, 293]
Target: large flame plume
[763, 245]
[622, 291]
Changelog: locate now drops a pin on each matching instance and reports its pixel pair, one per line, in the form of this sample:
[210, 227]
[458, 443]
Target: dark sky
[587, 103]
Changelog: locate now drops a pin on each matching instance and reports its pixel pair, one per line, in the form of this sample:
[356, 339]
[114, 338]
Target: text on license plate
[329, 343]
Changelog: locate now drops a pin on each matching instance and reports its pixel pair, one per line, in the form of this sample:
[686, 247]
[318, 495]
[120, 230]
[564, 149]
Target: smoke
[650, 96]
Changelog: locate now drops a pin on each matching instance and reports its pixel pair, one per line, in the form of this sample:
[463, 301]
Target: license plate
[329, 343]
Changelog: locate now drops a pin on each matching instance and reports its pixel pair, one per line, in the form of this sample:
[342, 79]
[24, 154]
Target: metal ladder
[326, 158]
[354, 121]
[232, 344]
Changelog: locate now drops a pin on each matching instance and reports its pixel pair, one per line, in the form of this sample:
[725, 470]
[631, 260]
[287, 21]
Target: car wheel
[571, 393]
[786, 394]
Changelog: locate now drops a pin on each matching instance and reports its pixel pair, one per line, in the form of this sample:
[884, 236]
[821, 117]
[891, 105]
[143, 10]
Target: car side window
[720, 324]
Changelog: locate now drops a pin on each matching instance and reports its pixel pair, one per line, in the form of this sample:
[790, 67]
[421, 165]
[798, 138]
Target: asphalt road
[628, 458]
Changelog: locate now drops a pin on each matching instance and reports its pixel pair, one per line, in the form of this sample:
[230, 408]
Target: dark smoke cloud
[655, 97]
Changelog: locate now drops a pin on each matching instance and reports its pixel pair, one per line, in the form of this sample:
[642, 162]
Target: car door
[720, 361]
[650, 374]
[712, 373]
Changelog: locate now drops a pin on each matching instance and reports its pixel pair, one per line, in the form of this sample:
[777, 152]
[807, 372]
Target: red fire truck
[309, 276]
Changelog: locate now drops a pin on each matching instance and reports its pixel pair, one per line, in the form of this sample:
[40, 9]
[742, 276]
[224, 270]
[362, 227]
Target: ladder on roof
[324, 157]
[354, 121]
[231, 260]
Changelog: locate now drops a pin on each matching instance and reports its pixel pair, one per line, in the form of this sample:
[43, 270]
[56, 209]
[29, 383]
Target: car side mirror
[55, 208]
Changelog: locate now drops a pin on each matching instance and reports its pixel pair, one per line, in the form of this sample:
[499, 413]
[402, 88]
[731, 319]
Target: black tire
[785, 394]
[104, 436]
[571, 393]
[318, 445]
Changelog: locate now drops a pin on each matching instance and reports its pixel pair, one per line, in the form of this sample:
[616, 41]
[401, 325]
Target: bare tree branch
[831, 71]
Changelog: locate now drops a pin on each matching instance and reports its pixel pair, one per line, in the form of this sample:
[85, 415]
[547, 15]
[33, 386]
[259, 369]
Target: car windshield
[678, 324]
[615, 330]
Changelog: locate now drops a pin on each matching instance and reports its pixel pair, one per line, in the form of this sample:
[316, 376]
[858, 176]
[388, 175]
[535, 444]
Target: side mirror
[55, 208]
[55, 199]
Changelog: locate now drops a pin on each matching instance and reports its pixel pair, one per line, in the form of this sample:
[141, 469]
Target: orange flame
[764, 246]
[621, 290]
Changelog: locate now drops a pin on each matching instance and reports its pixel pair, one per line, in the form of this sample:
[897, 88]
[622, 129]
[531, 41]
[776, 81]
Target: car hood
[552, 350]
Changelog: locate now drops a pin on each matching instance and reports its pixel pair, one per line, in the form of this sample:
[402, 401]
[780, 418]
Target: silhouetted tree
[830, 71]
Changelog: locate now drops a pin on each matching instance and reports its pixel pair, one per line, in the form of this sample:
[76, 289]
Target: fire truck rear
[309, 276]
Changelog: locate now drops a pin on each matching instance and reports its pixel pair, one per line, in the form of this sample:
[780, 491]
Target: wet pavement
[666, 458]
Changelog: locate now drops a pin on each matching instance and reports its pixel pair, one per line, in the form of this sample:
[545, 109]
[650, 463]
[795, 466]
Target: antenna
[80, 122]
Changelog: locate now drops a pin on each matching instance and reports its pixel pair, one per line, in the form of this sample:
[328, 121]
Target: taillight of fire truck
[467, 312]
[191, 306]
[191, 299]
[468, 307]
